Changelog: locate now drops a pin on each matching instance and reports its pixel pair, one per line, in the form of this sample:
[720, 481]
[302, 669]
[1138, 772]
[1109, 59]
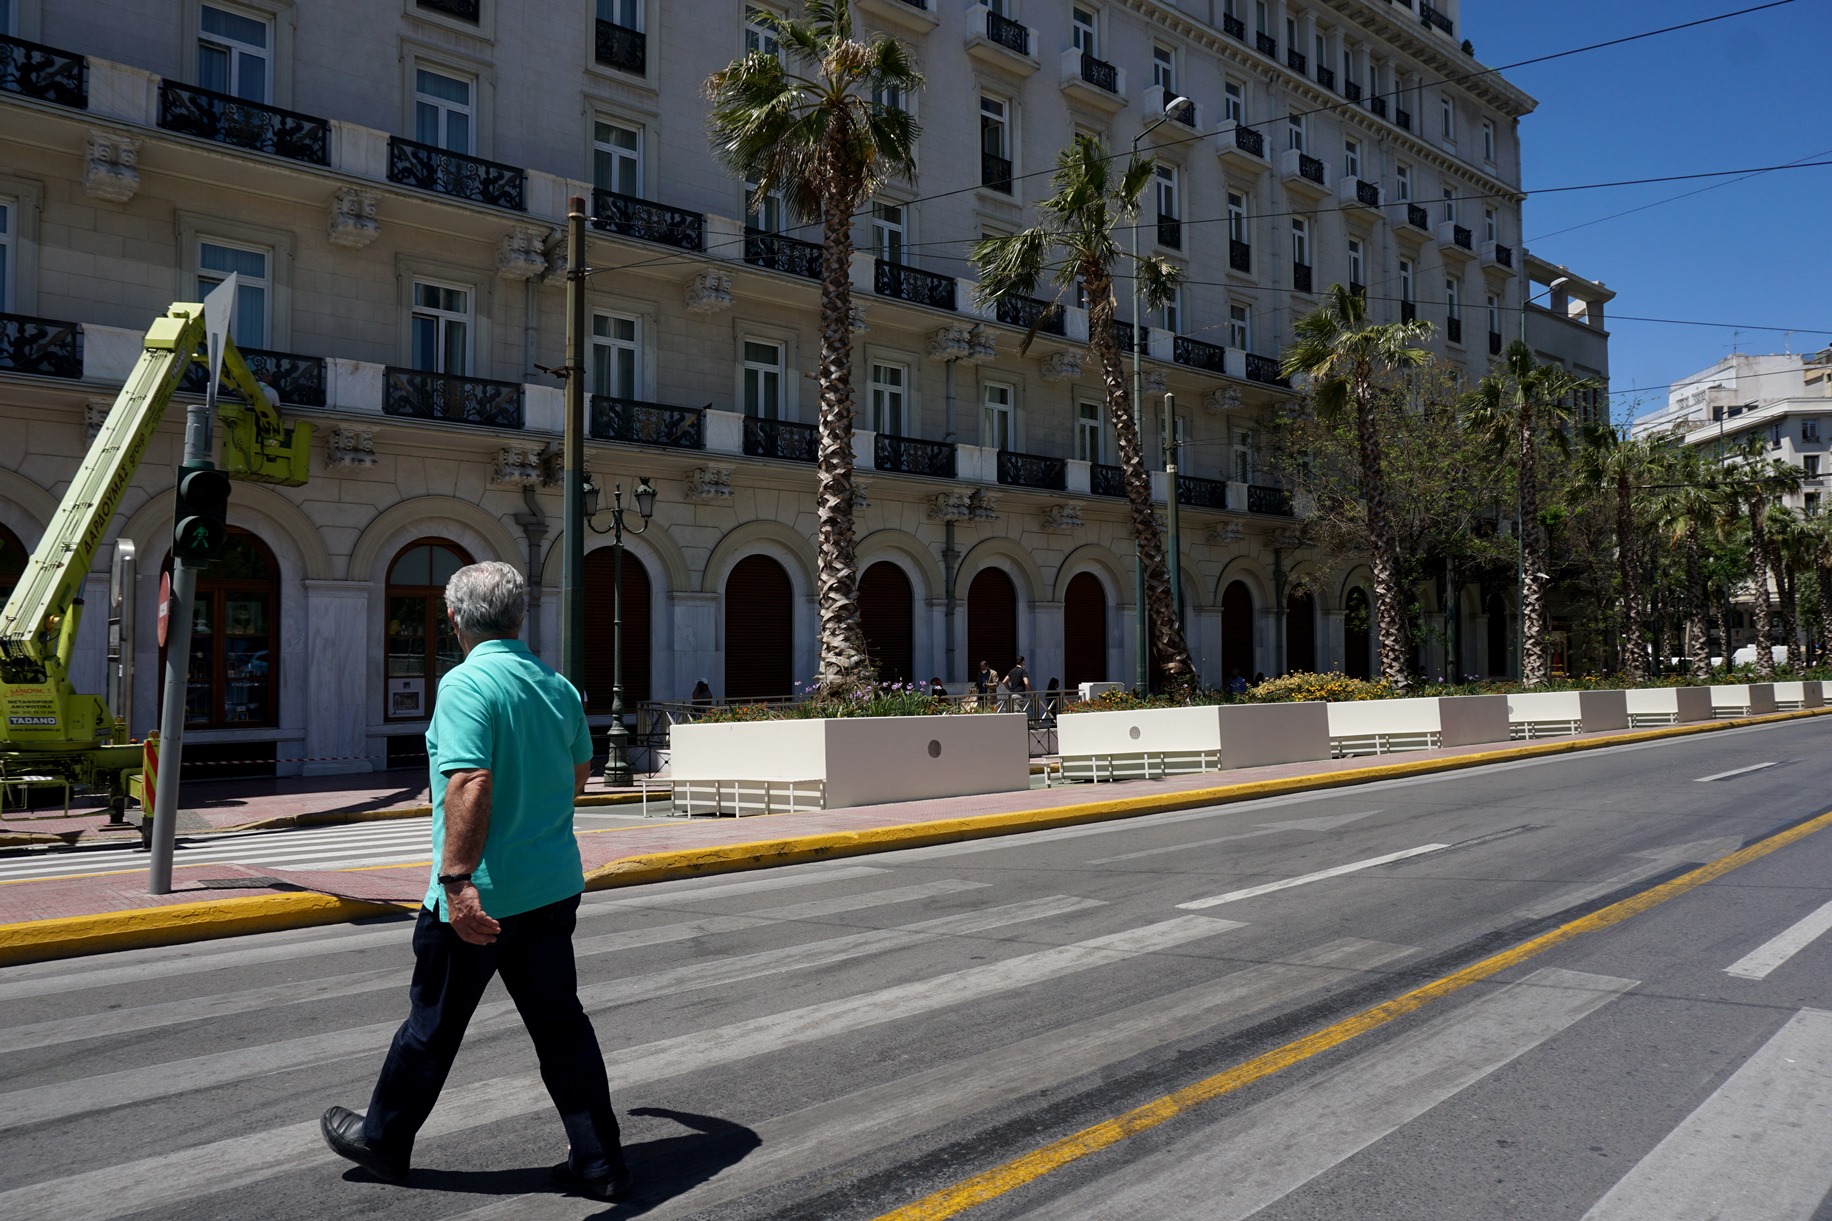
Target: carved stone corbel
[1062, 366]
[349, 448]
[516, 466]
[982, 345]
[521, 253]
[709, 484]
[1155, 382]
[951, 506]
[709, 291]
[1227, 532]
[95, 414]
[951, 342]
[352, 224]
[983, 505]
[111, 168]
[1062, 517]
[1217, 402]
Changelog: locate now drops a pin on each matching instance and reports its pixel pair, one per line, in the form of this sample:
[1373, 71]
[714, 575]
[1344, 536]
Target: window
[421, 646]
[1447, 117]
[1322, 51]
[995, 144]
[1450, 203]
[1774, 435]
[8, 210]
[996, 416]
[616, 356]
[1261, 23]
[1170, 314]
[1167, 191]
[1089, 435]
[1243, 456]
[441, 328]
[1240, 328]
[1809, 466]
[1494, 314]
[1237, 217]
[1164, 70]
[235, 654]
[233, 55]
[1488, 141]
[1491, 229]
[1406, 282]
[1811, 503]
[889, 384]
[1087, 35]
[758, 36]
[1402, 178]
[1809, 430]
[1357, 263]
[626, 13]
[890, 97]
[1300, 240]
[1351, 158]
[1451, 309]
[1348, 66]
[442, 111]
[1291, 32]
[1296, 123]
[1234, 102]
[616, 157]
[887, 232]
[767, 213]
[215, 261]
[763, 379]
[1373, 78]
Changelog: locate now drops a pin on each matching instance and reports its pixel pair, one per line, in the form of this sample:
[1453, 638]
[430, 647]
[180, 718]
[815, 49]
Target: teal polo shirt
[505, 710]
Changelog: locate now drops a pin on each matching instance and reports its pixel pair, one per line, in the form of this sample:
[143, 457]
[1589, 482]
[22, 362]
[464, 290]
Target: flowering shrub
[1302, 686]
[866, 699]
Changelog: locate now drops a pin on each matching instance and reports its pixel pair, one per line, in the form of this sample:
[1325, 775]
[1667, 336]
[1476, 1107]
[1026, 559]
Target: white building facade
[391, 185]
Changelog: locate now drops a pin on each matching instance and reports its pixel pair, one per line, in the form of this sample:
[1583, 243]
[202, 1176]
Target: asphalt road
[843, 1040]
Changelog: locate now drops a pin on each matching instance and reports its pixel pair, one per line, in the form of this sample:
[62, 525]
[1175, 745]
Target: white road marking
[1758, 1149]
[1754, 767]
[1235, 896]
[1232, 1169]
[1784, 945]
[1659, 860]
[1326, 823]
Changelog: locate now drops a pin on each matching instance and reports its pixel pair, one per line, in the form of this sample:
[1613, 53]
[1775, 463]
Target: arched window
[1236, 631]
[1300, 633]
[13, 556]
[1084, 631]
[420, 645]
[887, 608]
[235, 639]
[759, 631]
[600, 573]
[1357, 635]
[992, 621]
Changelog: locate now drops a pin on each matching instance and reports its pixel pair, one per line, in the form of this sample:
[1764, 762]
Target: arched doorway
[759, 631]
[1500, 635]
[887, 609]
[992, 621]
[13, 556]
[1357, 632]
[600, 650]
[234, 682]
[1084, 631]
[1300, 633]
[1236, 631]
[420, 646]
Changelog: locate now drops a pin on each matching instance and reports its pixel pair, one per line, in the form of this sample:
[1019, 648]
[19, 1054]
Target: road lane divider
[1735, 771]
[1234, 896]
[1761, 961]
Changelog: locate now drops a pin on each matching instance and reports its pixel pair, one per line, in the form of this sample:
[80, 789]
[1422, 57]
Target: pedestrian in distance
[937, 688]
[1237, 683]
[1052, 699]
[702, 694]
[1017, 681]
[985, 684]
[509, 751]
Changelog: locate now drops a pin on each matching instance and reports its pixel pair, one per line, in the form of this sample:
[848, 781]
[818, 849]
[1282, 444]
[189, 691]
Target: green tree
[1753, 482]
[1689, 508]
[822, 123]
[1073, 245]
[1616, 465]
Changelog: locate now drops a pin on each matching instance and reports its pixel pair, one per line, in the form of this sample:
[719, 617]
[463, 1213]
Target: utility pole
[1170, 500]
[1144, 624]
[572, 507]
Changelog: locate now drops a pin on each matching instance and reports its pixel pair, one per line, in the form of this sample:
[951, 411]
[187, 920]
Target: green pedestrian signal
[202, 526]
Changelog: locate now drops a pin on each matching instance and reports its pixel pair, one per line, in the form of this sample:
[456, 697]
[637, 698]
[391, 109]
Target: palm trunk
[1822, 578]
[1389, 613]
[1160, 603]
[1634, 659]
[1532, 559]
[1698, 647]
[844, 656]
[1758, 558]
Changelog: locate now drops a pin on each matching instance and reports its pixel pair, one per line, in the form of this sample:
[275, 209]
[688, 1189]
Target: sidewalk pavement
[68, 916]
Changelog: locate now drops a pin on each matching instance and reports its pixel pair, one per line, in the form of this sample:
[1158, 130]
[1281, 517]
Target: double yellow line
[993, 1183]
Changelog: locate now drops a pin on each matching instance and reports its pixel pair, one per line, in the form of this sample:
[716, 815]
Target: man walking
[509, 750]
[1018, 682]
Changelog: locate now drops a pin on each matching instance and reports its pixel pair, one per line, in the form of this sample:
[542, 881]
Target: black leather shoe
[613, 1186]
[343, 1131]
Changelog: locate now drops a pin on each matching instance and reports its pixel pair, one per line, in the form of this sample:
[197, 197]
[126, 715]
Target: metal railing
[1104, 480]
[1012, 35]
[1431, 16]
[1240, 256]
[1461, 237]
[1417, 217]
[413, 164]
[784, 439]
[789, 255]
[34, 70]
[1264, 499]
[914, 456]
[1100, 73]
[1265, 369]
[1233, 26]
[1367, 193]
[299, 380]
[1408, 311]
[210, 115]
[620, 47]
[1033, 471]
[1358, 289]
[1266, 44]
[913, 285]
[1028, 312]
[1402, 118]
[1300, 276]
[42, 347]
[1351, 90]
[1295, 60]
[1170, 232]
[1249, 141]
[1202, 493]
[1311, 168]
[995, 172]
[1453, 329]
[1504, 255]
[635, 422]
[1378, 105]
[652, 222]
[1494, 343]
[1326, 77]
[1199, 355]
[447, 396]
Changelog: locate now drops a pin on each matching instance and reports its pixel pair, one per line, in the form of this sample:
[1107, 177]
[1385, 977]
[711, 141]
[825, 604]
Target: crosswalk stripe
[243, 852]
[1758, 1149]
[1231, 1170]
[223, 1165]
[1759, 962]
[1251, 892]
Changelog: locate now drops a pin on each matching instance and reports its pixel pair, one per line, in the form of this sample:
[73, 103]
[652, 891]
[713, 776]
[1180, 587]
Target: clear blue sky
[1750, 91]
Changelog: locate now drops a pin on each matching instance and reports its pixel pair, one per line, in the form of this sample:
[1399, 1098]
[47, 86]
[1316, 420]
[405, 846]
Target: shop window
[421, 645]
[235, 639]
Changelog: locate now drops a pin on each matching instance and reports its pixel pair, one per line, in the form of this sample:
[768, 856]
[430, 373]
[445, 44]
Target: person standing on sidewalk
[510, 751]
[1018, 682]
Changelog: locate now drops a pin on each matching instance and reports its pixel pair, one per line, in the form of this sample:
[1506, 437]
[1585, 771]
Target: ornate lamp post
[617, 762]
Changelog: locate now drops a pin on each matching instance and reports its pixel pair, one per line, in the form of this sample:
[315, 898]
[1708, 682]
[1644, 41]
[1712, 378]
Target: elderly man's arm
[581, 773]
[467, 826]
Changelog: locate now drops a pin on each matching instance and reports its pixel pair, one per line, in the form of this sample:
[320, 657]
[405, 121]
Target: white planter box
[1177, 741]
[1544, 714]
[1742, 699]
[1668, 705]
[840, 762]
[1377, 727]
[1791, 697]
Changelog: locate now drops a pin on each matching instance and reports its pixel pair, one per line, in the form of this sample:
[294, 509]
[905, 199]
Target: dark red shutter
[1236, 631]
[600, 571]
[1084, 632]
[1300, 633]
[992, 622]
[759, 631]
[887, 608]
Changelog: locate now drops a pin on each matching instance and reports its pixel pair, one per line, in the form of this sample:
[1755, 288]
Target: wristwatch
[454, 879]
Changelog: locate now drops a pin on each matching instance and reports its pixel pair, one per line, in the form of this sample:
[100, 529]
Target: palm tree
[1754, 481]
[1690, 503]
[1518, 404]
[1790, 546]
[1345, 356]
[821, 124]
[1073, 244]
[1818, 529]
[1614, 464]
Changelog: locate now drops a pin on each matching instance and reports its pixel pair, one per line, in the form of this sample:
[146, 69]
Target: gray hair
[487, 599]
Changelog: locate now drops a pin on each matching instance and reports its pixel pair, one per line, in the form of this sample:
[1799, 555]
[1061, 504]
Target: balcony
[1408, 311]
[1196, 493]
[1122, 335]
[912, 285]
[1106, 480]
[457, 400]
[210, 115]
[629, 216]
[1265, 369]
[1414, 222]
[637, 423]
[1455, 239]
[1402, 118]
[1378, 105]
[298, 380]
[915, 16]
[1304, 173]
[1156, 100]
[1267, 45]
[620, 47]
[1240, 256]
[1300, 276]
[1032, 314]
[911, 456]
[1351, 90]
[1269, 500]
[1000, 42]
[1294, 59]
[995, 172]
[33, 70]
[41, 347]
[412, 164]
[1431, 17]
[1453, 329]
[1358, 289]
[1233, 27]
[1494, 343]
[1033, 471]
[1326, 77]
[1199, 355]
[1241, 147]
[1093, 82]
[1170, 232]
[783, 439]
[1354, 193]
[1494, 254]
[789, 255]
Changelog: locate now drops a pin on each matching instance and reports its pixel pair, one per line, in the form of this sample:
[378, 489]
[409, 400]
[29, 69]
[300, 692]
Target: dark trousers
[534, 953]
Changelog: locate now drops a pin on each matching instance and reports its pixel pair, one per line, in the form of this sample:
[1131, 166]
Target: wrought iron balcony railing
[466, 10]
[1233, 26]
[446, 396]
[1408, 311]
[1300, 276]
[1367, 193]
[1351, 90]
[1012, 35]
[1311, 168]
[995, 172]
[912, 284]
[912, 456]
[1028, 312]
[1265, 369]
[299, 380]
[1453, 329]
[638, 423]
[1403, 118]
[43, 347]
[783, 439]
[1417, 217]
[413, 164]
[1185, 114]
[1199, 355]
[1106, 480]
[1263, 499]
[1431, 16]
[1267, 45]
[648, 220]
[210, 115]
[1100, 73]
[1240, 256]
[620, 47]
[1295, 60]
[1326, 77]
[1461, 237]
[1504, 255]
[789, 255]
[36, 71]
[1358, 289]
[1202, 493]
[1122, 335]
[1378, 105]
[1494, 343]
[1170, 232]
[1033, 471]
[1249, 141]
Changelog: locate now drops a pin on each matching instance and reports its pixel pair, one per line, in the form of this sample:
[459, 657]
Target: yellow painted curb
[335, 818]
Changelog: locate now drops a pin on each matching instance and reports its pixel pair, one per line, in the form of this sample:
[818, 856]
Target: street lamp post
[617, 742]
[572, 447]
